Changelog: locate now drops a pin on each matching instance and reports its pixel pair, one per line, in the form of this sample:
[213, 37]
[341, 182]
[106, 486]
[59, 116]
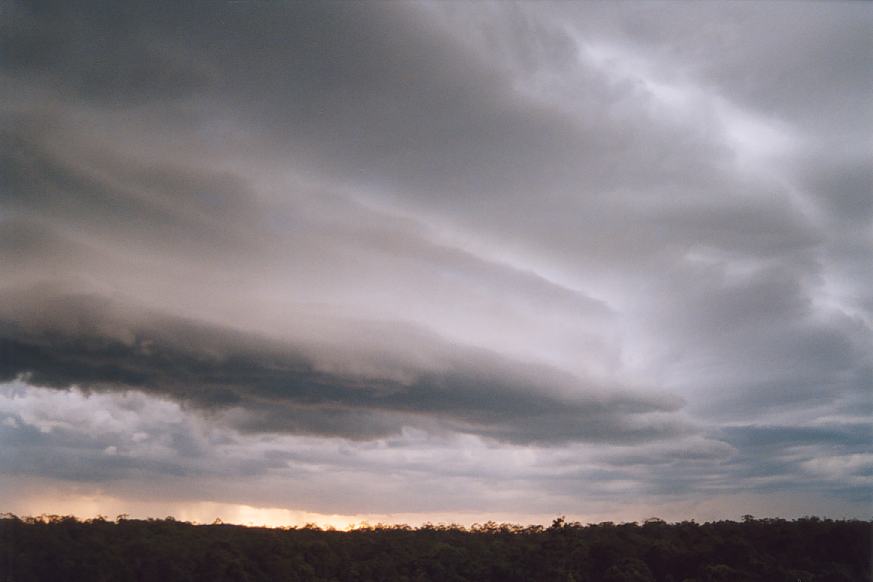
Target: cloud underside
[333, 390]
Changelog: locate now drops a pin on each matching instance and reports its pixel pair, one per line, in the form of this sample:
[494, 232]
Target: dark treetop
[62, 548]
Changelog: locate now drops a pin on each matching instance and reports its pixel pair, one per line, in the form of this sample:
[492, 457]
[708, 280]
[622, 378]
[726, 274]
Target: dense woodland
[65, 549]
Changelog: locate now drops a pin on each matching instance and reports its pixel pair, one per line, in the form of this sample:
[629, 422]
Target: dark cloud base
[284, 391]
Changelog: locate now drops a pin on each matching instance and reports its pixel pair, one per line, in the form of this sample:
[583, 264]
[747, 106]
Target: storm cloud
[329, 388]
[633, 239]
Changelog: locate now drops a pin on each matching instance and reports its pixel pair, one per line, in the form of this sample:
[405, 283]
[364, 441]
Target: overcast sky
[286, 262]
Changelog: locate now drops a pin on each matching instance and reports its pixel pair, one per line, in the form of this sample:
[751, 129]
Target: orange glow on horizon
[41, 497]
[203, 512]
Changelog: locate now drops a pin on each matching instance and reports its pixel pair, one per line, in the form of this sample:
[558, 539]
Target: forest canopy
[50, 548]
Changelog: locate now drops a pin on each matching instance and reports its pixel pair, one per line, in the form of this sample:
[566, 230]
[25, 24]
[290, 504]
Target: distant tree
[59, 548]
[629, 570]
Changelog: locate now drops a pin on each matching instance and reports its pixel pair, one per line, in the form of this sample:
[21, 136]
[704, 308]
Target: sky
[283, 262]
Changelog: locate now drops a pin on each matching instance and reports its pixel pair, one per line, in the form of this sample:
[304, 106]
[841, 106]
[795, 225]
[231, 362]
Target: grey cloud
[171, 205]
[688, 451]
[158, 445]
[854, 435]
[113, 55]
[142, 225]
[134, 436]
[779, 457]
[519, 169]
[88, 341]
[70, 456]
[412, 115]
[792, 72]
[841, 182]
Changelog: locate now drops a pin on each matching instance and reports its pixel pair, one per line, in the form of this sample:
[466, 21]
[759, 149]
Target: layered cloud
[340, 385]
[560, 228]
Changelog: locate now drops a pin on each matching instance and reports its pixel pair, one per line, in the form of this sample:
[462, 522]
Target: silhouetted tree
[58, 548]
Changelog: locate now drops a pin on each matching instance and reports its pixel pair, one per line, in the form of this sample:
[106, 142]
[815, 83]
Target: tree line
[58, 548]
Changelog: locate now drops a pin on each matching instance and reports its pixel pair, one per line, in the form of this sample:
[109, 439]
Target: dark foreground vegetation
[65, 549]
